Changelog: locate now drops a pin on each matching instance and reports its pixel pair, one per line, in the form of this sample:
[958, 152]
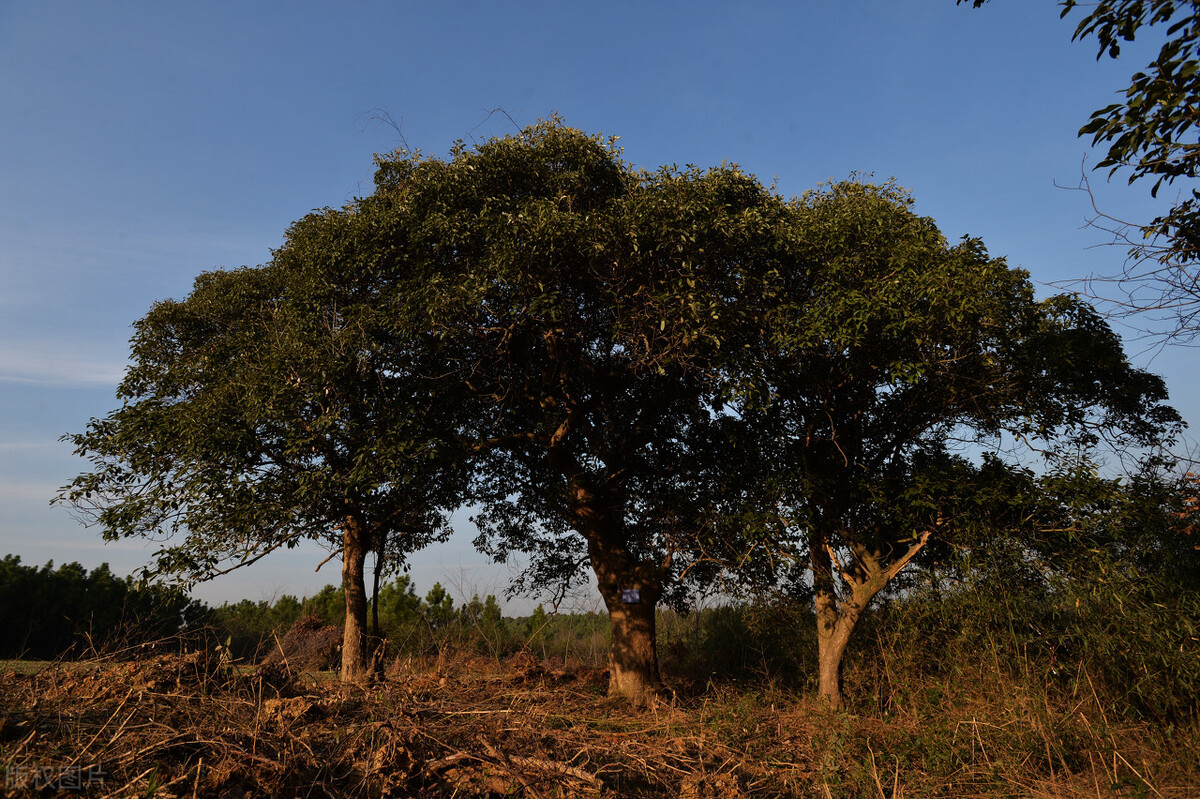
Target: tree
[328, 604]
[277, 404]
[50, 613]
[891, 352]
[439, 608]
[1153, 134]
[586, 306]
[645, 373]
[398, 604]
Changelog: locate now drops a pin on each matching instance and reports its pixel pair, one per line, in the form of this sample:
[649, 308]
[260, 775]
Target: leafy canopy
[271, 404]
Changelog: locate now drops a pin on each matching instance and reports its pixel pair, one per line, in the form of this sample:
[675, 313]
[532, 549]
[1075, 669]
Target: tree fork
[836, 618]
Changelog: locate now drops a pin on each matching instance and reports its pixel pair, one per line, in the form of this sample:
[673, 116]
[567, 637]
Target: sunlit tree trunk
[355, 665]
[863, 578]
[835, 623]
[833, 628]
[633, 654]
[631, 593]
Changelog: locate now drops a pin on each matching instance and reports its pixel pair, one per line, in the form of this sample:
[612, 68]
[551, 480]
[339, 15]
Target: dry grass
[186, 726]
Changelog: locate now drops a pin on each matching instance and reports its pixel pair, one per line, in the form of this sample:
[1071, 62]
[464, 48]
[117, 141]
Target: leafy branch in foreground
[1153, 133]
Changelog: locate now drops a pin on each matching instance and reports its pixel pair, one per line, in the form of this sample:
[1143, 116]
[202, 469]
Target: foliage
[1125, 583]
[1153, 133]
[769, 639]
[486, 626]
[328, 604]
[891, 353]
[588, 346]
[248, 628]
[277, 404]
[439, 607]
[68, 611]
[1130, 642]
[569, 637]
[585, 305]
[398, 602]
[1099, 594]
[410, 624]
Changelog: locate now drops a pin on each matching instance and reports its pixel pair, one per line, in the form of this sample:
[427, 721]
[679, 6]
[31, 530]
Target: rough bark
[633, 651]
[863, 578]
[355, 663]
[835, 623]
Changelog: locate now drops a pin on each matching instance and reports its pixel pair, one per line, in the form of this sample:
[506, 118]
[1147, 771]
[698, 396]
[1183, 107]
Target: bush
[772, 638]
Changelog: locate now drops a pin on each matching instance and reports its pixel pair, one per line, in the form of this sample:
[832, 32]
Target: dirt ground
[186, 725]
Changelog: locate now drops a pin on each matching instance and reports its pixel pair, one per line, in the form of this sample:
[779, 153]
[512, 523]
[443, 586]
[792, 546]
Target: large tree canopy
[642, 373]
[278, 404]
[588, 307]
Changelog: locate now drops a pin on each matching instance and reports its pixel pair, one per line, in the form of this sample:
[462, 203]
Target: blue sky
[142, 143]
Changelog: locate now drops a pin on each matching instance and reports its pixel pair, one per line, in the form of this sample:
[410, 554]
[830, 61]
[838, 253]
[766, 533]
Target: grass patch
[23, 666]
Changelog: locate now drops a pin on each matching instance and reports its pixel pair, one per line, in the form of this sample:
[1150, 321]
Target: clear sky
[142, 143]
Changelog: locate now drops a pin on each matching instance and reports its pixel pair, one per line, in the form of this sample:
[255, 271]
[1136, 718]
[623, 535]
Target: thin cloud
[39, 493]
[57, 369]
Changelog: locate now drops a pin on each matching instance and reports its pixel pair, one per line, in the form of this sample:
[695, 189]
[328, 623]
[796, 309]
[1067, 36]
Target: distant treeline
[67, 611]
[409, 624]
[48, 612]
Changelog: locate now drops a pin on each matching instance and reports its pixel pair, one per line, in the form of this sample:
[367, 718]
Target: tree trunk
[834, 626]
[865, 577]
[355, 665]
[630, 588]
[633, 652]
[379, 553]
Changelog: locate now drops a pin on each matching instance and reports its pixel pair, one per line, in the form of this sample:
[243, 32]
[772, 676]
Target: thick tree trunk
[355, 664]
[633, 651]
[630, 588]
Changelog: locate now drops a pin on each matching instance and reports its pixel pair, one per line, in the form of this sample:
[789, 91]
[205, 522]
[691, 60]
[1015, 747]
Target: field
[180, 724]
